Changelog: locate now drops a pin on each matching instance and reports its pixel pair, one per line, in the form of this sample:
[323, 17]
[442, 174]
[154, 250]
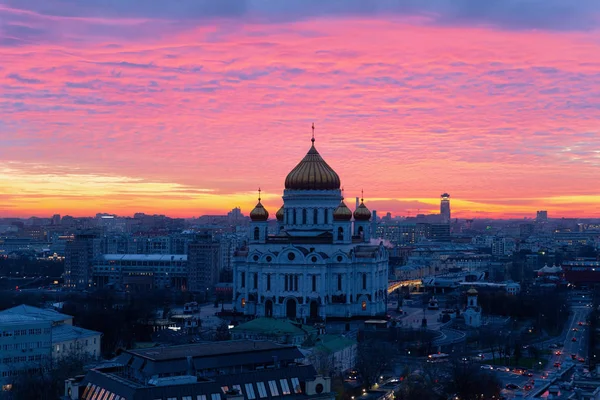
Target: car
[575, 330]
[503, 369]
[512, 386]
[581, 359]
[557, 364]
[486, 366]
[573, 356]
[553, 346]
[558, 353]
[527, 387]
[544, 375]
[528, 374]
[574, 339]
[481, 356]
[580, 323]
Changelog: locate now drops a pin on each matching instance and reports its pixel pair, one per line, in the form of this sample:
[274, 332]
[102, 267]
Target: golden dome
[472, 291]
[362, 213]
[312, 173]
[342, 212]
[279, 214]
[259, 213]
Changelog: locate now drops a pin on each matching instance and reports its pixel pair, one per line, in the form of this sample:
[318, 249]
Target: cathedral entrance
[314, 310]
[290, 309]
[268, 308]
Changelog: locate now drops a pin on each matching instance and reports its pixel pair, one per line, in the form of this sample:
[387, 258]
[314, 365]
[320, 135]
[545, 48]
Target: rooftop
[63, 333]
[145, 257]
[272, 326]
[34, 313]
[206, 349]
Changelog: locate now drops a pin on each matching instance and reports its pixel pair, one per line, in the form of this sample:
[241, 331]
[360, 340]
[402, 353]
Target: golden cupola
[342, 212]
[362, 213]
[259, 213]
[312, 173]
[279, 214]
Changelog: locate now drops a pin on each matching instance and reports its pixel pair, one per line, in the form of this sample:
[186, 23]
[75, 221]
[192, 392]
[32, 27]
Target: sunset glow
[160, 112]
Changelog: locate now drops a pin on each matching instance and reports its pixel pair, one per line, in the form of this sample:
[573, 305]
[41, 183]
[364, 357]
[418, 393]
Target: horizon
[187, 110]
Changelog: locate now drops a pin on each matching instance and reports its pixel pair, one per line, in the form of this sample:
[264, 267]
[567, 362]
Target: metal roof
[207, 349]
[36, 313]
[64, 333]
[145, 257]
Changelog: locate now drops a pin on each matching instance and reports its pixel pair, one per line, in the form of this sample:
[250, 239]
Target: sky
[187, 108]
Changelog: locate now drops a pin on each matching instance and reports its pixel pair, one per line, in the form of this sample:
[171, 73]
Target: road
[565, 347]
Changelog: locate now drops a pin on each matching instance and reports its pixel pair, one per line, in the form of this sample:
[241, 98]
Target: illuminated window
[250, 391]
[296, 385]
[364, 305]
[243, 302]
[262, 391]
[273, 388]
[285, 389]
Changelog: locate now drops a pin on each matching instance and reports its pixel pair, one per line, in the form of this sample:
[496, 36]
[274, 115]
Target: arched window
[304, 215]
[294, 211]
[340, 233]
[361, 231]
[315, 215]
[326, 216]
[364, 281]
[256, 233]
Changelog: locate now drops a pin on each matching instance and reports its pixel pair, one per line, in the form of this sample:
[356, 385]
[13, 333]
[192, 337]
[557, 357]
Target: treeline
[548, 311]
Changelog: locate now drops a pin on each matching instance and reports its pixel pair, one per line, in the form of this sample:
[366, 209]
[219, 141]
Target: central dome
[312, 173]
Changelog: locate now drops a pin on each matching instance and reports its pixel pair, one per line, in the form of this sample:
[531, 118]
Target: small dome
[312, 173]
[259, 213]
[362, 213]
[472, 291]
[279, 214]
[342, 213]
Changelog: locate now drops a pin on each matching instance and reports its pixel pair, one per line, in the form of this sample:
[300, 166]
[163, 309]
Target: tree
[222, 332]
[416, 387]
[373, 357]
[469, 382]
[47, 382]
[322, 360]
[517, 353]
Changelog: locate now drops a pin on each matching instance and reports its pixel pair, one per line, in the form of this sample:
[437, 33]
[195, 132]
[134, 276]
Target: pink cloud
[405, 110]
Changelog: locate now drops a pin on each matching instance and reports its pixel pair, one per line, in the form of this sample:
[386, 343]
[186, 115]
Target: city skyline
[127, 107]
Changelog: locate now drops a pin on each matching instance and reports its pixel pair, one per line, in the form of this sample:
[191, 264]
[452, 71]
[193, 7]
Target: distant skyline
[187, 108]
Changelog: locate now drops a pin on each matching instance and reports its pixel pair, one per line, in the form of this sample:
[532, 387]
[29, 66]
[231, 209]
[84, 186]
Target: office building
[204, 263]
[31, 337]
[79, 257]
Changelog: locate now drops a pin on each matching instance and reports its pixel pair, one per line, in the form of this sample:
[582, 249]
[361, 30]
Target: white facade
[321, 263]
[472, 314]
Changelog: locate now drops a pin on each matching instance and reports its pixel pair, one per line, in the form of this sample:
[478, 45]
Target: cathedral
[321, 263]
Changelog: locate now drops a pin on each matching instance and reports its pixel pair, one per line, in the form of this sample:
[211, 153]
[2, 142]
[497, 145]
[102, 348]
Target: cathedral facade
[321, 263]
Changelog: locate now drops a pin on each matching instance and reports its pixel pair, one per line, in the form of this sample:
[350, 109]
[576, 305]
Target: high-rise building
[445, 207]
[79, 257]
[542, 216]
[56, 219]
[204, 263]
[321, 263]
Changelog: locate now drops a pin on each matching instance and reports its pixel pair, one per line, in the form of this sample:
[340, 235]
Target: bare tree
[372, 359]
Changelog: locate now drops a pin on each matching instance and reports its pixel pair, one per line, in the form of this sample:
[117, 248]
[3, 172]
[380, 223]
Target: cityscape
[246, 200]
